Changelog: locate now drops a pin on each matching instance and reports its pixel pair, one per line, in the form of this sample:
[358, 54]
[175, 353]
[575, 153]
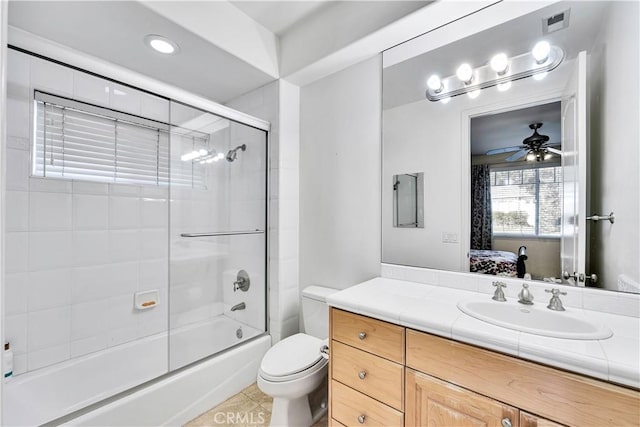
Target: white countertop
[434, 309]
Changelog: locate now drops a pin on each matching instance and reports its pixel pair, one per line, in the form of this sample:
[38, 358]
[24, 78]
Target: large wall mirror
[529, 153]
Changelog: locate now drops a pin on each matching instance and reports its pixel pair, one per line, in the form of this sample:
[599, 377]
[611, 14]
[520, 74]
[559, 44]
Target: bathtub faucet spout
[240, 306]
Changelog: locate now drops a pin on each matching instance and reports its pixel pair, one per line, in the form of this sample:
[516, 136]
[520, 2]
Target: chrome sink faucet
[525, 296]
[498, 295]
[555, 303]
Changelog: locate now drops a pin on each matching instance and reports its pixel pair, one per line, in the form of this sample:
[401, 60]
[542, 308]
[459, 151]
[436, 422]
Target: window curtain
[481, 229]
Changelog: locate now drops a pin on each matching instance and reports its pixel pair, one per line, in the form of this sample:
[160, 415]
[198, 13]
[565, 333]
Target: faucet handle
[499, 285]
[498, 295]
[555, 304]
[555, 292]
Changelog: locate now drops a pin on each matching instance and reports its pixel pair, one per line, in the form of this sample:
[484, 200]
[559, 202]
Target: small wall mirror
[408, 200]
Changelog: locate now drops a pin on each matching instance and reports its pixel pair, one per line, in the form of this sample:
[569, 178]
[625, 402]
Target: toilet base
[291, 412]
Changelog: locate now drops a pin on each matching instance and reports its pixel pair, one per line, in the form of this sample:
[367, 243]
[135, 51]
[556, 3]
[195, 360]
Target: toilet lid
[291, 355]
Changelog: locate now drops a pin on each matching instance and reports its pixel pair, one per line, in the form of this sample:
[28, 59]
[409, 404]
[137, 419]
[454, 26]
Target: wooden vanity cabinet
[436, 403]
[530, 420]
[412, 378]
[366, 370]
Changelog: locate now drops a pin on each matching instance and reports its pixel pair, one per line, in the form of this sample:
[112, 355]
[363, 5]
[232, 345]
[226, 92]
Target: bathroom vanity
[395, 372]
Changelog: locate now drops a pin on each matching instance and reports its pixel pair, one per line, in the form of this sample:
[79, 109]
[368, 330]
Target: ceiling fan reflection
[535, 147]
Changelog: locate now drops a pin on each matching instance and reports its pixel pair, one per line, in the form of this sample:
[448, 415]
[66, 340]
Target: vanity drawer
[353, 408]
[375, 336]
[374, 376]
[334, 423]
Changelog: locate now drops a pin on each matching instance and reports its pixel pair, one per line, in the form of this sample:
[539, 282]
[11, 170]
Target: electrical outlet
[449, 237]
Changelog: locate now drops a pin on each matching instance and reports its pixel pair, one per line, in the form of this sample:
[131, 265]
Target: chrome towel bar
[222, 233]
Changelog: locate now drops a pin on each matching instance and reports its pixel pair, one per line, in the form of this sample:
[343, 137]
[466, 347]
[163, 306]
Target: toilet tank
[315, 311]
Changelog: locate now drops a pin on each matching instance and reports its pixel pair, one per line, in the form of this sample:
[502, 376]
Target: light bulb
[499, 63]
[541, 51]
[503, 87]
[161, 44]
[540, 76]
[474, 94]
[465, 73]
[189, 156]
[547, 156]
[202, 152]
[435, 84]
[531, 157]
[445, 100]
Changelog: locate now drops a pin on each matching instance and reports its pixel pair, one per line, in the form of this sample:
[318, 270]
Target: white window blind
[527, 201]
[75, 140]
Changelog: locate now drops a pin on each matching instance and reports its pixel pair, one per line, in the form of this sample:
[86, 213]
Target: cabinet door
[435, 403]
[530, 420]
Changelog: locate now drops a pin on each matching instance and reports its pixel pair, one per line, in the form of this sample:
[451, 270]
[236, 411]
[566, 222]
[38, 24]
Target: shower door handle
[222, 233]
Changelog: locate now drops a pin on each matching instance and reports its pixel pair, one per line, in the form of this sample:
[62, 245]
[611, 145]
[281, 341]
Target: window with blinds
[527, 201]
[75, 140]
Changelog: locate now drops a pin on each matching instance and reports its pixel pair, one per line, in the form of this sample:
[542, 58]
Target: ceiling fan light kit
[499, 71]
[534, 147]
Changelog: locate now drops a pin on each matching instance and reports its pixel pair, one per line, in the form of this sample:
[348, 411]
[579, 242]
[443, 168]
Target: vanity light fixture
[500, 63]
[474, 94]
[161, 44]
[465, 73]
[541, 51]
[435, 83]
[539, 76]
[501, 70]
[503, 87]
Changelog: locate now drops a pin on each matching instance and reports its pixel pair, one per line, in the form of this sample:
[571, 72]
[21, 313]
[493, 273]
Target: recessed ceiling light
[161, 44]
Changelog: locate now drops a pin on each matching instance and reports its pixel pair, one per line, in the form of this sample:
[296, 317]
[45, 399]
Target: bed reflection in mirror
[408, 200]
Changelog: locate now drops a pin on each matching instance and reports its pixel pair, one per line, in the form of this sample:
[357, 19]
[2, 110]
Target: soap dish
[146, 299]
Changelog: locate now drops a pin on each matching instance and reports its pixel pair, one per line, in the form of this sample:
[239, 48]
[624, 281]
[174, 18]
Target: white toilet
[294, 367]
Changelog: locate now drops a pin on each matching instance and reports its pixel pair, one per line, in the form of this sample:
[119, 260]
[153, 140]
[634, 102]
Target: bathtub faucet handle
[242, 281]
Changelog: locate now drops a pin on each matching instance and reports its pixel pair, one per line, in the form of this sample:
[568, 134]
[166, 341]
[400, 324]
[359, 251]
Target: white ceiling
[227, 48]
[114, 31]
[510, 128]
[280, 16]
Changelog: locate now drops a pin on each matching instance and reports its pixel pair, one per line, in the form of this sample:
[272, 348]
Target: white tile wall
[49, 289]
[76, 251]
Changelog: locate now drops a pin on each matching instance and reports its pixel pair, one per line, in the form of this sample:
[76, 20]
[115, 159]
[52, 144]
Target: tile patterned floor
[249, 408]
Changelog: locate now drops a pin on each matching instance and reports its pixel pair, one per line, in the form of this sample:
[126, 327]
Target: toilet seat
[294, 357]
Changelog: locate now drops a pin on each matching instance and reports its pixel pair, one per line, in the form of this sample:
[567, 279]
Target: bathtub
[85, 390]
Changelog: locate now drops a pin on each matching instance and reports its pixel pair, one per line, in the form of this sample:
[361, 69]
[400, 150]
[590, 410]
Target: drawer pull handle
[362, 335]
[361, 419]
[506, 422]
[362, 374]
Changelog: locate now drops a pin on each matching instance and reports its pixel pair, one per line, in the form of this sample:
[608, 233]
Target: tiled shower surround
[76, 251]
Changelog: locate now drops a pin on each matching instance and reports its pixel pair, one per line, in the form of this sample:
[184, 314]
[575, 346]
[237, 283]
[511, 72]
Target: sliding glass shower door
[218, 209]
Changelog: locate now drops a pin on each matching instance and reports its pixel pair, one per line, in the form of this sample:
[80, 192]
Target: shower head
[233, 154]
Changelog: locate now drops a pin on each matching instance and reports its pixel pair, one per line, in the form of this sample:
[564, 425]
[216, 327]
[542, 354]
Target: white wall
[340, 177]
[615, 132]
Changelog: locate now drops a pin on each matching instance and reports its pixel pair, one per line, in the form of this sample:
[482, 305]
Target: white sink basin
[536, 319]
